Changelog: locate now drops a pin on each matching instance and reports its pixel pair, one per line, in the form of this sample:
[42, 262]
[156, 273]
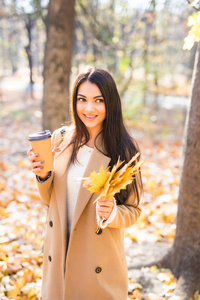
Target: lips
[89, 117]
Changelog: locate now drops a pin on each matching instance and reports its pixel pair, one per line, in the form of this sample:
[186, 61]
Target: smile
[89, 117]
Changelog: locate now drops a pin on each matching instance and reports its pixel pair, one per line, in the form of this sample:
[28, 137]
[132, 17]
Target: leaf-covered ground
[23, 217]
[154, 231]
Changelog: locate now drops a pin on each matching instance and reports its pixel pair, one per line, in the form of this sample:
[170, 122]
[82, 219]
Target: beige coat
[95, 266]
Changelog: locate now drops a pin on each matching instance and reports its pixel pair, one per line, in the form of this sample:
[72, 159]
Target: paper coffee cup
[41, 144]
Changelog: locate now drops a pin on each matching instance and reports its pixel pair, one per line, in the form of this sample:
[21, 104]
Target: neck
[90, 143]
[93, 134]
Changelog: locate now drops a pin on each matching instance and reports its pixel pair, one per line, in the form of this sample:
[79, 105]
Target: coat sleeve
[45, 188]
[126, 214]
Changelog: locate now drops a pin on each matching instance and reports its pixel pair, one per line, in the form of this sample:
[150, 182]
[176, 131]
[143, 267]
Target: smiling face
[90, 107]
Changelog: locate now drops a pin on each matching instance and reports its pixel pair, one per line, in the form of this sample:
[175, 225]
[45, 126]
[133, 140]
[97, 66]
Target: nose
[89, 106]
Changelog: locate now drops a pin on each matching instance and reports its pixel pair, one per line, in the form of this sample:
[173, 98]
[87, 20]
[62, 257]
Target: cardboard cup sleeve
[43, 148]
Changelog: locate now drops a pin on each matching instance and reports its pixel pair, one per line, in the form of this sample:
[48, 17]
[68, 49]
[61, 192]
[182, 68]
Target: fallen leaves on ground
[22, 216]
[160, 175]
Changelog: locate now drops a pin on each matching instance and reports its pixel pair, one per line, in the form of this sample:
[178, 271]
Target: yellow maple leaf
[197, 295]
[193, 35]
[32, 292]
[119, 177]
[114, 169]
[20, 283]
[13, 294]
[105, 188]
[121, 185]
[125, 167]
[4, 213]
[98, 180]
[124, 177]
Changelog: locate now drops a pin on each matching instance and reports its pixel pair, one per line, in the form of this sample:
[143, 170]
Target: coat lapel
[62, 162]
[96, 160]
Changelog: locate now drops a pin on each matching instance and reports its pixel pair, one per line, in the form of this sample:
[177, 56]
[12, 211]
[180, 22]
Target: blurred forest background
[144, 45]
[141, 44]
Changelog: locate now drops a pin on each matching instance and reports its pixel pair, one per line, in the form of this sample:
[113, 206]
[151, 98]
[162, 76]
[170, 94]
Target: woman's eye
[99, 100]
[81, 99]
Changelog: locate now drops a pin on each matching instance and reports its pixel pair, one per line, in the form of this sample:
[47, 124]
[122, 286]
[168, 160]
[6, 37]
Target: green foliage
[21, 114]
[124, 63]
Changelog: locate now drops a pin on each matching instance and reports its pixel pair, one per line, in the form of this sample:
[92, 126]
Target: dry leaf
[97, 181]
[107, 184]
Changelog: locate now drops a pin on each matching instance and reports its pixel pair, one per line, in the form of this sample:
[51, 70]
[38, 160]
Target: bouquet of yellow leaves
[107, 183]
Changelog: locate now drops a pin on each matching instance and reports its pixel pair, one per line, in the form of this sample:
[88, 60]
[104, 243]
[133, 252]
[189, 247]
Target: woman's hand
[37, 167]
[105, 207]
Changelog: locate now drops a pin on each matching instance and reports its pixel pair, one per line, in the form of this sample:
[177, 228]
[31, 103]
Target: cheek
[78, 108]
[103, 111]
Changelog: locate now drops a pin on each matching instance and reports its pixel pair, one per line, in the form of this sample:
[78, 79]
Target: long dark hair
[117, 141]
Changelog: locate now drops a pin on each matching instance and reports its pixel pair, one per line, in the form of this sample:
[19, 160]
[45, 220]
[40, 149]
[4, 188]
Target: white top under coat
[74, 175]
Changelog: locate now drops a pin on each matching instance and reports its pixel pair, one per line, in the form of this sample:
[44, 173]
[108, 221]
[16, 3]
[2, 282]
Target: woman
[82, 260]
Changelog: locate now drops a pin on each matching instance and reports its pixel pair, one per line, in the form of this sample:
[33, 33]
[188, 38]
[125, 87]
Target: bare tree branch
[193, 5]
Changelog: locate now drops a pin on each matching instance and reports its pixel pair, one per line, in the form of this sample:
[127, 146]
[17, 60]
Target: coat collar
[96, 160]
[62, 162]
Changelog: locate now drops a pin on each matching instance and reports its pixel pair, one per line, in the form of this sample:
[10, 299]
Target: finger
[104, 215]
[30, 152]
[106, 199]
[104, 209]
[37, 170]
[37, 164]
[33, 157]
[106, 203]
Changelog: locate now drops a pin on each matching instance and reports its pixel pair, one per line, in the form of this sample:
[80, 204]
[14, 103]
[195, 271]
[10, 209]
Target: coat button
[49, 258]
[98, 230]
[98, 270]
[51, 224]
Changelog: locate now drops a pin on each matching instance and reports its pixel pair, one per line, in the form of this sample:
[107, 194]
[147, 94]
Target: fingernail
[42, 162]
[41, 167]
[36, 155]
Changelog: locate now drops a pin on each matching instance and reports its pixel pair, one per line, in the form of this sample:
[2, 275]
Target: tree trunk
[57, 63]
[148, 20]
[30, 22]
[155, 55]
[184, 256]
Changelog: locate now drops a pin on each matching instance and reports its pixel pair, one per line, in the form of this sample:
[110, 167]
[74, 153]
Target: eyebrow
[93, 97]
